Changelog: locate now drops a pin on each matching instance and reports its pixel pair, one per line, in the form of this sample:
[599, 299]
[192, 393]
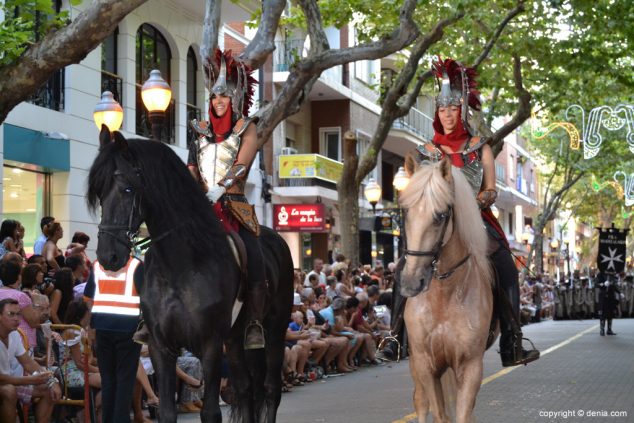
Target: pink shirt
[23, 301]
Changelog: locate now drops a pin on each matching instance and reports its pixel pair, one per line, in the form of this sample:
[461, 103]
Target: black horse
[191, 277]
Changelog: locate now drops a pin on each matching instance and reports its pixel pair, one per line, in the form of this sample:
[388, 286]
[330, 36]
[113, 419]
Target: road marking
[508, 370]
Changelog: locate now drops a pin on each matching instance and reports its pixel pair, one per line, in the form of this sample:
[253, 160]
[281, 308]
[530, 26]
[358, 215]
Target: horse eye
[128, 190]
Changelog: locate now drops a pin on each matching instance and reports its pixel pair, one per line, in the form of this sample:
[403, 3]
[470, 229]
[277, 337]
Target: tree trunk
[60, 48]
[348, 192]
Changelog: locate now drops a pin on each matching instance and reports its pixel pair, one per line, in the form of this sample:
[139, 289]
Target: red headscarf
[221, 125]
[454, 140]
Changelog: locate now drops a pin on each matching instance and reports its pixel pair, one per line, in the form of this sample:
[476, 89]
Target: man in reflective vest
[115, 316]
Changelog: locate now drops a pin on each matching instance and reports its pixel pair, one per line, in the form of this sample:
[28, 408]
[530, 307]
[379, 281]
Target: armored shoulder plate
[475, 146]
[429, 152]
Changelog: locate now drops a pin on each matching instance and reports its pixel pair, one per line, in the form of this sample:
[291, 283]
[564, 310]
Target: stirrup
[250, 344]
[391, 337]
[142, 334]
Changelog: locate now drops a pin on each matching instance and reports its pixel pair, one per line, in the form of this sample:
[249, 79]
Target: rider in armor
[473, 155]
[220, 159]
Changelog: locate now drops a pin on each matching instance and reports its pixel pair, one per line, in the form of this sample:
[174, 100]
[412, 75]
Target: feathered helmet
[231, 78]
[457, 86]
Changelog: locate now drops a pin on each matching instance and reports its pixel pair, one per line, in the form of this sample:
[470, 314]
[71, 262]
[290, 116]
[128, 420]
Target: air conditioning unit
[288, 150]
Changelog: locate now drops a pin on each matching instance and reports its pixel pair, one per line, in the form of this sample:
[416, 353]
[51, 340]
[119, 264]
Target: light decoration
[628, 184]
[612, 119]
[541, 132]
[598, 186]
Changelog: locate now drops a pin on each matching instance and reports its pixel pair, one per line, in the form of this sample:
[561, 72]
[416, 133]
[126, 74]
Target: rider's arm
[487, 194]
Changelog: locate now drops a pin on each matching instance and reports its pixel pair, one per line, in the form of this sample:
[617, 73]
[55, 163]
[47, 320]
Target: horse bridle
[113, 230]
[437, 249]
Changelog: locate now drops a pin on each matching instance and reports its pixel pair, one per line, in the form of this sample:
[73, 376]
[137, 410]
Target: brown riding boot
[256, 300]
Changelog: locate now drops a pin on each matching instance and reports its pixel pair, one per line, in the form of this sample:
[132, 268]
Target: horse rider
[608, 301]
[220, 159]
[473, 156]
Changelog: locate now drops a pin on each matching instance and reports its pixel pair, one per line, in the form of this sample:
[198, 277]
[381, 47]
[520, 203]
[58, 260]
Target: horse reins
[437, 249]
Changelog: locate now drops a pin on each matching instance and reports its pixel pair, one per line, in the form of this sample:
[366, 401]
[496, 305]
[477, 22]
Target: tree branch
[60, 48]
[263, 44]
[498, 31]
[523, 111]
[318, 39]
[304, 74]
[211, 27]
[391, 110]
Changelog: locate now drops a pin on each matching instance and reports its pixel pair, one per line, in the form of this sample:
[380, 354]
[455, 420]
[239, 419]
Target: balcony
[193, 112]
[417, 123]
[51, 94]
[286, 54]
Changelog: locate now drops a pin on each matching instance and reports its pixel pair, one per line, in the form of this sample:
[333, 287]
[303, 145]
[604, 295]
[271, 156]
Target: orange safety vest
[115, 292]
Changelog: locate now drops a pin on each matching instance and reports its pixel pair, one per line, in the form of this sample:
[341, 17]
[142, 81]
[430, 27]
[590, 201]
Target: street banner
[611, 257]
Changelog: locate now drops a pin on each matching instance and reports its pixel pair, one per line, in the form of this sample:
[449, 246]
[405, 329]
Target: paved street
[578, 371]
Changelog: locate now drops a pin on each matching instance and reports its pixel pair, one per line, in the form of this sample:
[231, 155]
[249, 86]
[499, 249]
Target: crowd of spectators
[340, 315]
[45, 288]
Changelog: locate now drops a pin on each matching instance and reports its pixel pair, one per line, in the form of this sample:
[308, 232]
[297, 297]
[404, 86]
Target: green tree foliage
[26, 22]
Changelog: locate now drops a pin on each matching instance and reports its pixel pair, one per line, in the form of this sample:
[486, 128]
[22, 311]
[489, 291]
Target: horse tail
[449, 385]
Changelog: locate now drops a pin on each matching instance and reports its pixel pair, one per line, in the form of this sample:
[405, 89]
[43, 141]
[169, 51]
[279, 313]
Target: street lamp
[401, 179]
[372, 193]
[156, 95]
[108, 112]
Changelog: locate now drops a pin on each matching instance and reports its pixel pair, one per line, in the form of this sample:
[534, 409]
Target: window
[511, 170]
[511, 231]
[51, 93]
[25, 199]
[193, 112]
[153, 52]
[110, 80]
[330, 143]
[363, 144]
[520, 183]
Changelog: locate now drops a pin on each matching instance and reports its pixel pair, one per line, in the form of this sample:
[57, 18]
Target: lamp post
[108, 112]
[372, 193]
[554, 245]
[400, 182]
[156, 95]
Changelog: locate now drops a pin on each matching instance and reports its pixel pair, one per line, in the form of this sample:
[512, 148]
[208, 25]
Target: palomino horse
[448, 277]
[191, 277]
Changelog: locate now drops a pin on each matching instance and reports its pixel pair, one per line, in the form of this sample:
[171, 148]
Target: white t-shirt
[16, 349]
[322, 278]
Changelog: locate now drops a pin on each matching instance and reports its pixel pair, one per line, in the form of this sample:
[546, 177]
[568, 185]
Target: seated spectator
[29, 318]
[77, 246]
[307, 339]
[355, 307]
[39, 384]
[343, 287]
[32, 277]
[9, 237]
[335, 314]
[338, 346]
[331, 283]
[72, 351]
[46, 287]
[77, 266]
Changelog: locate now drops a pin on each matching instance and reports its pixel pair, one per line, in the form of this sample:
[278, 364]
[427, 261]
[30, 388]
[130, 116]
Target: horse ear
[445, 169]
[105, 137]
[412, 160]
[120, 140]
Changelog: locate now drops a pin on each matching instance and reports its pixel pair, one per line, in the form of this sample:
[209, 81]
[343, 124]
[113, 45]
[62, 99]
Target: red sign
[299, 217]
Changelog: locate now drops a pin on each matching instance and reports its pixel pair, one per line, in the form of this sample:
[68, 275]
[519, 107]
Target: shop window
[153, 52]
[25, 198]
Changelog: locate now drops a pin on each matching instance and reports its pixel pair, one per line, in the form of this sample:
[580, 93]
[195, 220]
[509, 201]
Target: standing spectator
[39, 384]
[77, 246]
[318, 266]
[331, 283]
[51, 252]
[117, 354]
[62, 295]
[41, 240]
[9, 236]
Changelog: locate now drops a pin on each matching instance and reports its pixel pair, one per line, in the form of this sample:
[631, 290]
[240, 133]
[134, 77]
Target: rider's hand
[215, 193]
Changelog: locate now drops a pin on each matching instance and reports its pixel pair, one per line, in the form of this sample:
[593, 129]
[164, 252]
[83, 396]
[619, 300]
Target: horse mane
[169, 190]
[428, 192]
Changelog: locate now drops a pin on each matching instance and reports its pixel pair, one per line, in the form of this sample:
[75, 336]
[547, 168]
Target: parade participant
[115, 317]
[220, 160]
[608, 301]
[474, 157]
